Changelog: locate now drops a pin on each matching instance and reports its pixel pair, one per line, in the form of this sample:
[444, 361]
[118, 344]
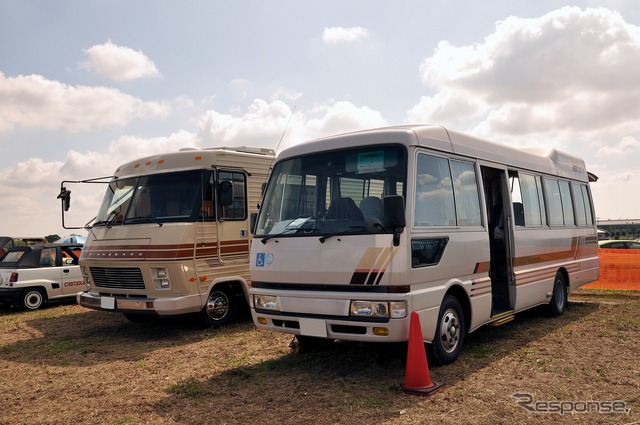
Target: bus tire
[32, 298]
[558, 303]
[450, 332]
[220, 309]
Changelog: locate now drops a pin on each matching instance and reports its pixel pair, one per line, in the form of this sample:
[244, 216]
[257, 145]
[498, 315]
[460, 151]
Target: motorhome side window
[446, 192]
[237, 210]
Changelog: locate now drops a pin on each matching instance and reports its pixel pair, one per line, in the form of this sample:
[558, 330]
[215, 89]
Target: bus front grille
[120, 278]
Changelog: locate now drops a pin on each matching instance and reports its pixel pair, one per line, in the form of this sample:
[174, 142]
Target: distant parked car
[619, 244]
[31, 275]
[7, 242]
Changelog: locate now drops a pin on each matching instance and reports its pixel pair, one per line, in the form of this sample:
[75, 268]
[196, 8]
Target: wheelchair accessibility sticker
[263, 259]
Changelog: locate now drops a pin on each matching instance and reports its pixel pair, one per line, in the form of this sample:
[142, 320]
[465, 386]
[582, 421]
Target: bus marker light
[381, 331]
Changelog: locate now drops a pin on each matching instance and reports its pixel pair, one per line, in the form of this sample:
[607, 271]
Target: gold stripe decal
[372, 266]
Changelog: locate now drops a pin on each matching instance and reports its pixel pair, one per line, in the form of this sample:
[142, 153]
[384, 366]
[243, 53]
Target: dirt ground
[68, 365]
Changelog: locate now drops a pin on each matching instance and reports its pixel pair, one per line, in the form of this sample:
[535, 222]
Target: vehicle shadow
[81, 337]
[371, 372]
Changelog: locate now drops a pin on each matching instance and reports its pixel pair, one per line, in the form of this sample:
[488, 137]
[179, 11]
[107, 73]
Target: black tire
[32, 298]
[309, 344]
[450, 332]
[558, 303]
[220, 309]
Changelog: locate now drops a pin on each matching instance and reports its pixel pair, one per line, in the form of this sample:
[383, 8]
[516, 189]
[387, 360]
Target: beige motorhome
[172, 235]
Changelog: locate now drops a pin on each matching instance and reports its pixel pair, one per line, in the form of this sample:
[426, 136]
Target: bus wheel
[33, 298]
[447, 344]
[558, 303]
[219, 310]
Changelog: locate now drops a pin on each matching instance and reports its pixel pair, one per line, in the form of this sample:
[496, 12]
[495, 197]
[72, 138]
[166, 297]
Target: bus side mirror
[394, 219]
[225, 193]
[393, 206]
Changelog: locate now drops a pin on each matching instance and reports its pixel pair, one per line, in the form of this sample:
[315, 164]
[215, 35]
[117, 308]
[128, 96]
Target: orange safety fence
[619, 269]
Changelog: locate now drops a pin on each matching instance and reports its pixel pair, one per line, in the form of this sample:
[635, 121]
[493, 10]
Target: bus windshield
[157, 198]
[331, 192]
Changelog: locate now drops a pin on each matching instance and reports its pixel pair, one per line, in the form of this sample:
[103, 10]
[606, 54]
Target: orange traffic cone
[417, 379]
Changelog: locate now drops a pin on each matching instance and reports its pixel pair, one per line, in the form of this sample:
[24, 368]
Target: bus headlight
[379, 309]
[160, 277]
[266, 302]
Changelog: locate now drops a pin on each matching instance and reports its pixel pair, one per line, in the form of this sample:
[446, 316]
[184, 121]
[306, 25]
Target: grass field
[68, 365]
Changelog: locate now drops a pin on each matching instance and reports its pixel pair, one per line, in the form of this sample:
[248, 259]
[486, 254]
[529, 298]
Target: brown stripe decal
[166, 251]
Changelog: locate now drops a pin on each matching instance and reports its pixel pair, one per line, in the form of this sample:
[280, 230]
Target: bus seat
[344, 208]
[518, 213]
[371, 206]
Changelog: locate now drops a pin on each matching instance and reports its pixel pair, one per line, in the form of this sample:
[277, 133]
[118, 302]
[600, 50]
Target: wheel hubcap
[33, 300]
[217, 305]
[450, 330]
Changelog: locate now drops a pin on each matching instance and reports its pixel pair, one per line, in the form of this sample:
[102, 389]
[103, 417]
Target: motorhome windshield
[157, 198]
[328, 193]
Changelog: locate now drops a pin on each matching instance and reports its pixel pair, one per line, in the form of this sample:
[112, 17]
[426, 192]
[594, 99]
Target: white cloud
[261, 125]
[340, 35]
[340, 117]
[240, 87]
[32, 101]
[570, 69]
[627, 145]
[119, 63]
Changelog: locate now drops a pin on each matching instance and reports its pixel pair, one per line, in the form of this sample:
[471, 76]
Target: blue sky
[88, 85]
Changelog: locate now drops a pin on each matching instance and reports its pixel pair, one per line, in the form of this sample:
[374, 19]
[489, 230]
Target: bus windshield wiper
[351, 229]
[372, 225]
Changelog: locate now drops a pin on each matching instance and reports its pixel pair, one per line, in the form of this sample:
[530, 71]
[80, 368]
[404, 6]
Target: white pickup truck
[32, 275]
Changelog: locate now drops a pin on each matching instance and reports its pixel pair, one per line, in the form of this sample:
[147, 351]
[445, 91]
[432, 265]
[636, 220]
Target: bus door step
[502, 318]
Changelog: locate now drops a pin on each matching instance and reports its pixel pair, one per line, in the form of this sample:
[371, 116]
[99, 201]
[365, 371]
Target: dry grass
[65, 364]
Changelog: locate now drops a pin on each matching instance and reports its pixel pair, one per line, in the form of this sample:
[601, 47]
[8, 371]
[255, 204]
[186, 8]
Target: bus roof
[551, 161]
[196, 158]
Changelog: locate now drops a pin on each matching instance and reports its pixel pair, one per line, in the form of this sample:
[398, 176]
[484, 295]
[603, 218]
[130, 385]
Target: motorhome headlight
[266, 302]
[160, 277]
[378, 309]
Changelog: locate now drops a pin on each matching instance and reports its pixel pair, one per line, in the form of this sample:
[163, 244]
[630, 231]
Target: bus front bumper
[168, 306]
[393, 330]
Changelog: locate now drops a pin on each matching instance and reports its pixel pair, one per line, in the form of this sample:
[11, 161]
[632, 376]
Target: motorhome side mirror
[253, 220]
[65, 196]
[393, 206]
[225, 193]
